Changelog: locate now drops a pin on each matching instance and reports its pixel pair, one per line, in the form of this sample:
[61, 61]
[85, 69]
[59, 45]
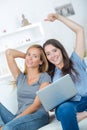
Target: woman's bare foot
[81, 115]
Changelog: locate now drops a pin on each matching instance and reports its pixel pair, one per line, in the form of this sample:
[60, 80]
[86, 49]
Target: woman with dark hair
[72, 111]
[30, 115]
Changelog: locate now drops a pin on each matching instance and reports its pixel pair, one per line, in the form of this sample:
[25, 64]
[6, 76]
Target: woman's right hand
[52, 17]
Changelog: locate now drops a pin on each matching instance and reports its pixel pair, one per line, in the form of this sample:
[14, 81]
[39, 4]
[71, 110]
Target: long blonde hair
[44, 66]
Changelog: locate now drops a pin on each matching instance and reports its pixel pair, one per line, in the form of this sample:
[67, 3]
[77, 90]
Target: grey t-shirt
[27, 93]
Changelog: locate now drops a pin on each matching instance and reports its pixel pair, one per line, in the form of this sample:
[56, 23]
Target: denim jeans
[27, 122]
[66, 113]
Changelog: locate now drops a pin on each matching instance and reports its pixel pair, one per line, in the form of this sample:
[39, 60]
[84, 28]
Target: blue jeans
[66, 113]
[27, 122]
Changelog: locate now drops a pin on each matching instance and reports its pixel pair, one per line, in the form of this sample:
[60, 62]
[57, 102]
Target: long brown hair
[44, 66]
[68, 64]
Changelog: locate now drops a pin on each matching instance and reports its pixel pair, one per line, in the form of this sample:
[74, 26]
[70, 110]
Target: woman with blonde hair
[30, 115]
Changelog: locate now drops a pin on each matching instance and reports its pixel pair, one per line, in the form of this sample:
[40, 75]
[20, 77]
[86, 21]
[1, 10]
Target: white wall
[36, 11]
[11, 11]
[80, 16]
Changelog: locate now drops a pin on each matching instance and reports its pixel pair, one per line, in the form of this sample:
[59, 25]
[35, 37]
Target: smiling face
[54, 55]
[33, 58]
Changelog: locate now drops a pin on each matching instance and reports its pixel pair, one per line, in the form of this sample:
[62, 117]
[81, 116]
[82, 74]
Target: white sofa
[9, 99]
[54, 124]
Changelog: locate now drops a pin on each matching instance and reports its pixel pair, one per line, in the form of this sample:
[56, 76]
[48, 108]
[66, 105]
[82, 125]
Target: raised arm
[11, 55]
[78, 29]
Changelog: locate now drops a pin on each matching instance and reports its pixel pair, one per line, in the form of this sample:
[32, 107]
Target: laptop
[57, 92]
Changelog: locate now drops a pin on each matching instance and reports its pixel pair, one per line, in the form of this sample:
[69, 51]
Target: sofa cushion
[54, 124]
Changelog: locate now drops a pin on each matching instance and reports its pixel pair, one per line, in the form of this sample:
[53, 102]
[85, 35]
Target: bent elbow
[81, 29]
[8, 52]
